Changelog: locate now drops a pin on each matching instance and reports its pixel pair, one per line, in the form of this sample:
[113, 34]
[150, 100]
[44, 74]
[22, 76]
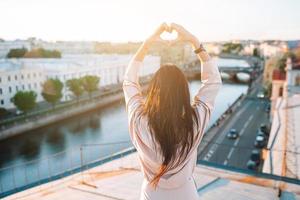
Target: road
[246, 120]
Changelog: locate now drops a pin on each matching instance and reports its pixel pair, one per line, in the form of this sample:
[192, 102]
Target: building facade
[29, 74]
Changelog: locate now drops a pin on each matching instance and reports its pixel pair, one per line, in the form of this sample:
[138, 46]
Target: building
[16, 76]
[29, 74]
[65, 47]
[282, 157]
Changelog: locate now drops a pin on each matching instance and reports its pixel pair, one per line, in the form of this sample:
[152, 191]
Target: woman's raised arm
[210, 77]
[131, 88]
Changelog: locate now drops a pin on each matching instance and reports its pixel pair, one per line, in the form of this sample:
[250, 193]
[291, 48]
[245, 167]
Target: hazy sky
[133, 20]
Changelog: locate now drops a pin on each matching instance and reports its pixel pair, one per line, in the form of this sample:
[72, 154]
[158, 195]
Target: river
[47, 151]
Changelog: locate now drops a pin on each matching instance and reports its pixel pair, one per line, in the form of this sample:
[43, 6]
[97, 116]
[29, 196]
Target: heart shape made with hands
[169, 35]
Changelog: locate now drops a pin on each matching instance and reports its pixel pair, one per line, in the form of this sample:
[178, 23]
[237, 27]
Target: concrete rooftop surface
[121, 179]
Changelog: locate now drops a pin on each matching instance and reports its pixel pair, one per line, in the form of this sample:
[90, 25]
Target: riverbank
[72, 110]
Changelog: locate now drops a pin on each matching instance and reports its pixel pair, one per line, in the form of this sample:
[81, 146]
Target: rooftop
[122, 179]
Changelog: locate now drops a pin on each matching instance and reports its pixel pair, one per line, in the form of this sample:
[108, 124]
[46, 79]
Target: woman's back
[157, 146]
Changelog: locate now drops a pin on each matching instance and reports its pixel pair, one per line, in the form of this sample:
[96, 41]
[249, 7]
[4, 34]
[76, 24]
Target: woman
[165, 128]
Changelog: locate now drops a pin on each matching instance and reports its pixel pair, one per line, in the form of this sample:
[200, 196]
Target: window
[0, 79]
[28, 75]
[17, 88]
[280, 91]
[9, 89]
[35, 85]
[16, 77]
[29, 86]
[23, 87]
[0, 90]
[34, 75]
[2, 102]
[8, 78]
[22, 76]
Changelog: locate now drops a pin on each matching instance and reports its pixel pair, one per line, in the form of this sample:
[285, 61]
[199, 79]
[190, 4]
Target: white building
[65, 47]
[75, 47]
[269, 50]
[14, 77]
[29, 74]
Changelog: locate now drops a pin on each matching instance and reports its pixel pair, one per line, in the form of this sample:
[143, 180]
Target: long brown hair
[170, 117]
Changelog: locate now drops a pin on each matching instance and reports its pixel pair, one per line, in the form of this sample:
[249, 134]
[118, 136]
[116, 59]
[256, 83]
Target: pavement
[246, 120]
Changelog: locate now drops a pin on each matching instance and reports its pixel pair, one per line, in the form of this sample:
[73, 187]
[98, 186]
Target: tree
[42, 53]
[233, 48]
[256, 52]
[25, 100]
[75, 86]
[17, 53]
[52, 91]
[90, 84]
[281, 63]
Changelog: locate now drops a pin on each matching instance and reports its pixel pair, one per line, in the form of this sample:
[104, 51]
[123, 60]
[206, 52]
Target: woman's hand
[185, 36]
[155, 37]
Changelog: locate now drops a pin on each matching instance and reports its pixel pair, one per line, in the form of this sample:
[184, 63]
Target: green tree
[232, 48]
[52, 91]
[281, 63]
[25, 100]
[90, 84]
[256, 52]
[16, 53]
[42, 53]
[75, 86]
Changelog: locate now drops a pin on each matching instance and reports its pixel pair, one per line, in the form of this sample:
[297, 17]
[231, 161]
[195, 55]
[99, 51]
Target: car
[260, 95]
[260, 141]
[268, 108]
[255, 159]
[251, 165]
[264, 128]
[232, 134]
[260, 133]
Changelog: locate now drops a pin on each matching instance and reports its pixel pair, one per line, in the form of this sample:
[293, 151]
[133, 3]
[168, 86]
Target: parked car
[268, 108]
[264, 128]
[260, 95]
[255, 159]
[260, 141]
[232, 134]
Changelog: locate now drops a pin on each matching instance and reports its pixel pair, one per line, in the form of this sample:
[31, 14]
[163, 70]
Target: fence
[79, 160]
[20, 177]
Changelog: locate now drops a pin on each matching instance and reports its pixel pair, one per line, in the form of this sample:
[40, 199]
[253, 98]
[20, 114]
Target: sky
[135, 20]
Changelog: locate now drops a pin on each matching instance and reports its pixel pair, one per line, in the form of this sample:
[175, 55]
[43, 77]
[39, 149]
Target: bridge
[233, 73]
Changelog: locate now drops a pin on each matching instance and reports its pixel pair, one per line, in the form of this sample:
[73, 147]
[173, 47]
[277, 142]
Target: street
[246, 120]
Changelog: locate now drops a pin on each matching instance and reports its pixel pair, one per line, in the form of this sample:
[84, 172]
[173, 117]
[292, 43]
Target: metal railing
[36, 172]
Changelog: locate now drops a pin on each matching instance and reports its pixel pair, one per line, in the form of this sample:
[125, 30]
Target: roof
[122, 179]
[293, 142]
[278, 75]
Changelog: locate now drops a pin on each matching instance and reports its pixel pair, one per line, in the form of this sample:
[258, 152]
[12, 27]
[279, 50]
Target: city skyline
[119, 21]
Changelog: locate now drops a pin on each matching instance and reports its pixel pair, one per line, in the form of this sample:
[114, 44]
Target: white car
[260, 95]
